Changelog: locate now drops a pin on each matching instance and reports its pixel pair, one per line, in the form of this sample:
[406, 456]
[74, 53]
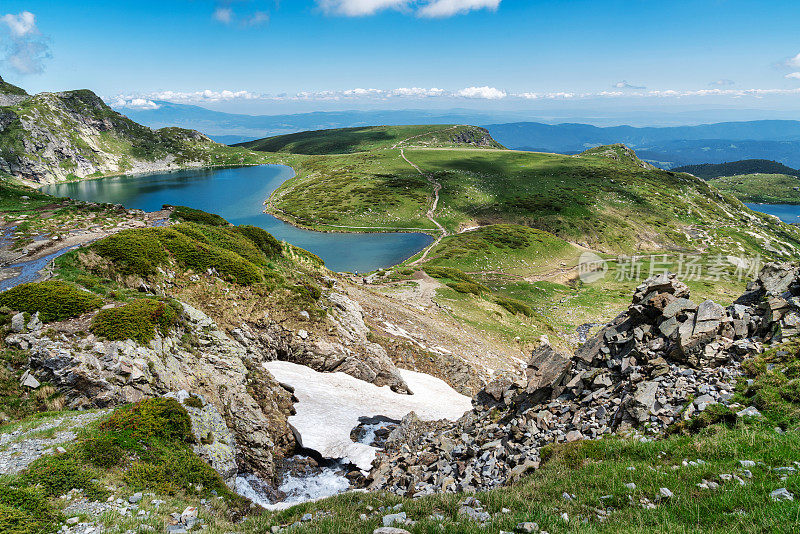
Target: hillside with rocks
[71, 135]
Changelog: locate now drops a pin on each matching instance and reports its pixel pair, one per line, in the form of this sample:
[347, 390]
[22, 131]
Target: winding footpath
[436, 188]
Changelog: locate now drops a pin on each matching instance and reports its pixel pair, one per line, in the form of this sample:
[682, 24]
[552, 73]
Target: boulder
[546, 373]
[777, 278]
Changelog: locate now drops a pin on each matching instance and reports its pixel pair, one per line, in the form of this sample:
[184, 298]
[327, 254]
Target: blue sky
[279, 56]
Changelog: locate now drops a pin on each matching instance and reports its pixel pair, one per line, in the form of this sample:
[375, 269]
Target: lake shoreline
[241, 195]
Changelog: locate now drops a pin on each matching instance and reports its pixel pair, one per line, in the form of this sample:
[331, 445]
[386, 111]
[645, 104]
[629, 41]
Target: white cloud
[133, 103]
[26, 49]
[422, 8]
[418, 92]
[223, 15]
[360, 8]
[151, 100]
[256, 19]
[448, 8]
[793, 62]
[793, 76]
[487, 93]
[20, 25]
[722, 83]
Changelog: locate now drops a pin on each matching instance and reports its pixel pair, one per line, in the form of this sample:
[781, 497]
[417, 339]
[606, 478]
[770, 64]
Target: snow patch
[330, 404]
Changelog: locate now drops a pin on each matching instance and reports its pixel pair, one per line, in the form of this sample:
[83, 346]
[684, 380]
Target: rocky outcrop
[661, 361]
[475, 136]
[198, 358]
[344, 348]
[214, 442]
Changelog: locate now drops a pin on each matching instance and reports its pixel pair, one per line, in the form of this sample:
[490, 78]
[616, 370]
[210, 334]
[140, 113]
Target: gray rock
[776, 278]
[546, 372]
[677, 306]
[781, 494]
[135, 498]
[18, 322]
[710, 311]
[750, 411]
[29, 381]
[390, 519]
[390, 530]
[527, 527]
[665, 493]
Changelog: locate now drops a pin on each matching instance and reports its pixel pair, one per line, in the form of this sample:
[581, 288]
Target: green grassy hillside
[766, 188]
[9, 89]
[605, 199]
[349, 140]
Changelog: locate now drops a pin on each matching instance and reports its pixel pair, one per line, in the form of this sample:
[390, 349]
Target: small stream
[28, 271]
[308, 479]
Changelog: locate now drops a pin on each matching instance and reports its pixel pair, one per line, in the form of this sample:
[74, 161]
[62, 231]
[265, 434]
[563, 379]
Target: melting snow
[330, 404]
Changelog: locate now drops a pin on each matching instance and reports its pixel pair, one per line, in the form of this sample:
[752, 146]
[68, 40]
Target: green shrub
[176, 468]
[265, 241]
[58, 474]
[102, 450]
[467, 287]
[16, 521]
[225, 238]
[712, 415]
[448, 272]
[514, 306]
[54, 300]
[193, 401]
[136, 320]
[185, 213]
[25, 510]
[200, 256]
[308, 291]
[152, 418]
[134, 251]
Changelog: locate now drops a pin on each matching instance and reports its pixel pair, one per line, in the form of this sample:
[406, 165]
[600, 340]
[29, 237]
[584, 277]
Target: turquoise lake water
[789, 213]
[238, 194]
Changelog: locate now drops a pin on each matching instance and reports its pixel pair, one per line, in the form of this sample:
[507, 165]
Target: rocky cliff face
[57, 136]
[199, 359]
[475, 136]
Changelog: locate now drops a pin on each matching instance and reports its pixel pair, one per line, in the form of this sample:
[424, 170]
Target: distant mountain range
[666, 147]
[232, 128]
[738, 168]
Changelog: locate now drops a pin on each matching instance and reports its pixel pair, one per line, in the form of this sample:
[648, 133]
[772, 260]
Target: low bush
[185, 213]
[265, 241]
[54, 300]
[160, 418]
[514, 306]
[60, 473]
[712, 415]
[25, 510]
[134, 251]
[467, 287]
[137, 320]
[175, 469]
[102, 450]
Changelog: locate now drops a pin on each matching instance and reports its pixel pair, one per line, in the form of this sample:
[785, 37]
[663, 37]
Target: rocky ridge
[50, 137]
[661, 361]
